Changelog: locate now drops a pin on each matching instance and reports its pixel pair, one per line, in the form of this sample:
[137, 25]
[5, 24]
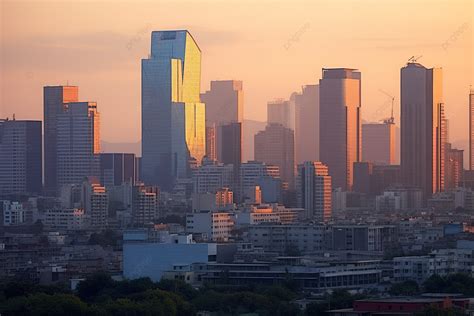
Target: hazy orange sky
[275, 47]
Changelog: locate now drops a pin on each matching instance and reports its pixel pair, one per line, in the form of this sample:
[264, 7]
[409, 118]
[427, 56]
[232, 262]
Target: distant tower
[471, 129]
[340, 124]
[173, 118]
[20, 157]
[423, 128]
[307, 124]
[55, 98]
[378, 142]
[275, 146]
[78, 143]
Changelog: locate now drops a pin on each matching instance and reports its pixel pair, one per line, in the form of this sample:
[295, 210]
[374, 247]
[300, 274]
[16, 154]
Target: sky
[274, 47]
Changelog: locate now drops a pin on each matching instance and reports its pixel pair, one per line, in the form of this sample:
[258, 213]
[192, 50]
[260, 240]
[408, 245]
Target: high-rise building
[77, 142]
[117, 168]
[20, 157]
[173, 118]
[281, 112]
[307, 124]
[212, 176]
[340, 123]
[95, 203]
[471, 129]
[224, 102]
[211, 150]
[231, 148]
[144, 204]
[275, 146]
[314, 190]
[54, 100]
[378, 143]
[423, 130]
[267, 177]
[453, 167]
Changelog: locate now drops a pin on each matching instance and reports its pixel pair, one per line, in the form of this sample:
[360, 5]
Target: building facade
[173, 118]
[423, 130]
[54, 100]
[314, 190]
[78, 143]
[340, 123]
[20, 157]
[307, 124]
[275, 146]
[378, 142]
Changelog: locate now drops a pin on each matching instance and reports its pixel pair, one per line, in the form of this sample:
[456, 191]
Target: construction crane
[391, 119]
[414, 59]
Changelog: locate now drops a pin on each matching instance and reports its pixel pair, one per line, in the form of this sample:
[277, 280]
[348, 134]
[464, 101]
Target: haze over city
[274, 47]
[237, 158]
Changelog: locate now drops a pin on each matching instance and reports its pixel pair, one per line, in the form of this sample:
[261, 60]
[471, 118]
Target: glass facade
[173, 118]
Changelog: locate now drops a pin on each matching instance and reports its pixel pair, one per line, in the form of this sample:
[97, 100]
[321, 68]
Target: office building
[267, 177]
[307, 124]
[215, 226]
[471, 129]
[423, 132]
[173, 118]
[314, 191]
[212, 176]
[145, 208]
[340, 124]
[454, 167]
[117, 168]
[224, 102]
[95, 203]
[54, 100]
[211, 150]
[275, 146]
[12, 213]
[77, 142]
[281, 112]
[20, 157]
[378, 142]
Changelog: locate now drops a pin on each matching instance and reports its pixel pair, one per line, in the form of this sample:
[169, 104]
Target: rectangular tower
[340, 124]
[378, 142]
[54, 100]
[423, 128]
[173, 118]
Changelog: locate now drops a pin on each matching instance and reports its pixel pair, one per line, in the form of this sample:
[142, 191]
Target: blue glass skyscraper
[173, 118]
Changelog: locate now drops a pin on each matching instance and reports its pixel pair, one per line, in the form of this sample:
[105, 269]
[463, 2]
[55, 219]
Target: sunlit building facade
[307, 124]
[314, 190]
[173, 118]
[340, 124]
[471, 129]
[423, 128]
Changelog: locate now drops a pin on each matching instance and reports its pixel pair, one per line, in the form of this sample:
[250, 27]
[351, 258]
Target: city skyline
[448, 46]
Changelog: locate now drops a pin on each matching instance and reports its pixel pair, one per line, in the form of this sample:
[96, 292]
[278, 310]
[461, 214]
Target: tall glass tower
[173, 118]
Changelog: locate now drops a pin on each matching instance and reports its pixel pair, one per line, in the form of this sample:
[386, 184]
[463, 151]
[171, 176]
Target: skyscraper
[224, 112]
[20, 157]
[224, 102]
[281, 112]
[454, 168]
[78, 143]
[54, 100]
[314, 190]
[340, 123]
[378, 142]
[117, 168]
[307, 124]
[471, 129]
[173, 118]
[423, 130]
[275, 146]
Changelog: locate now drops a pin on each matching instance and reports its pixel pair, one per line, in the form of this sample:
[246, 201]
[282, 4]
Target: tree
[407, 288]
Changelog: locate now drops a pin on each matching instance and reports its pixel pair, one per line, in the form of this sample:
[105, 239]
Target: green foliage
[453, 283]
[105, 238]
[406, 288]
